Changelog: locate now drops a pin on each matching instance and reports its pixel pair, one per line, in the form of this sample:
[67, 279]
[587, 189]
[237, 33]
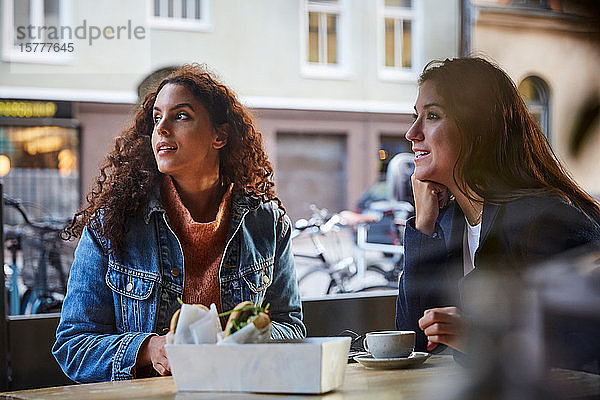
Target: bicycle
[39, 246]
[14, 244]
[401, 211]
[344, 275]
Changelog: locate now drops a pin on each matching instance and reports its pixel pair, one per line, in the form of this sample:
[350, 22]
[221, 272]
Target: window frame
[541, 107]
[398, 74]
[528, 4]
[181, 24]
[12, 53]
[340, 70]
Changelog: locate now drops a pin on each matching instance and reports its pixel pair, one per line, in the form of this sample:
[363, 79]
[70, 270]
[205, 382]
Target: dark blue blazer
[514, 235]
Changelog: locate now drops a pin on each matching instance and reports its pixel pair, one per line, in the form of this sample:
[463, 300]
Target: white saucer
[415, 358]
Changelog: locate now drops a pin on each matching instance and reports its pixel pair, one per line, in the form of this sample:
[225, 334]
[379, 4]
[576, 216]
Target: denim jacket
[115, 301]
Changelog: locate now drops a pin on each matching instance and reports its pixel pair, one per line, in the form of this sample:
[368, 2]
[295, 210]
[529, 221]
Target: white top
[470, 245]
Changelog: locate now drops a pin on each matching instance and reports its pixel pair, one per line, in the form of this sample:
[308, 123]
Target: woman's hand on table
[444, 325]
[429, 198]
[152, 353]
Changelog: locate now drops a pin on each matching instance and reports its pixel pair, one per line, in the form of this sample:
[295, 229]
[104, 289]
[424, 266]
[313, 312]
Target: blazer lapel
[490, 211]
[451, 222]
[455, 223]
[455, 245]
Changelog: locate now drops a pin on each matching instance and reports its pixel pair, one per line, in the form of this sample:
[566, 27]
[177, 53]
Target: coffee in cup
[390, 344]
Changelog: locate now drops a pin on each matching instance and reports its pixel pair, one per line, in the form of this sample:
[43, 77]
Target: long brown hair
[503, 154]
[129, 173]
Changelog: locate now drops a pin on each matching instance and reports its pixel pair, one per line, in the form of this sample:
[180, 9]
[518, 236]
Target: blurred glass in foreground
[533, 336]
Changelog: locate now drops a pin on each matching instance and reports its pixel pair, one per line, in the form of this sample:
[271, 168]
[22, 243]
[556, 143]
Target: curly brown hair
[130, 173]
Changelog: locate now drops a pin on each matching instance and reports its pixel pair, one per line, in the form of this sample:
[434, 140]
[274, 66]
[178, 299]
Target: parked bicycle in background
[324, 245]
[36, 260]
[378, 226]
[389, 198]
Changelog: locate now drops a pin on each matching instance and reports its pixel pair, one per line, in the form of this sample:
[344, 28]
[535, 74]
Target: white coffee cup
[390, 344]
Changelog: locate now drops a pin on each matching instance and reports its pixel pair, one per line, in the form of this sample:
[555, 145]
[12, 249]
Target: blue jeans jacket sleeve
[285, 304]
[87, 346]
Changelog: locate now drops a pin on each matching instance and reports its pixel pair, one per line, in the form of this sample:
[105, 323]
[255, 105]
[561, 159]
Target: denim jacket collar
[240, 203]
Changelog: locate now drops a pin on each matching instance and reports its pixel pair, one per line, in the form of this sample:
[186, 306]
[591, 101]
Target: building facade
[551, 49]
[331, 82]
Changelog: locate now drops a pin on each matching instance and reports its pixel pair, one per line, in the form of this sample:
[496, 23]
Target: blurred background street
[314, 275]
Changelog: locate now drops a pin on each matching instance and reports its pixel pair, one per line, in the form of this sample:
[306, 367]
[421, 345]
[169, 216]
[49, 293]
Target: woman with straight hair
[490, 196]
[184, 208]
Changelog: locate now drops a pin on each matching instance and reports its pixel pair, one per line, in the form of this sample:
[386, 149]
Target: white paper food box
[312, 365]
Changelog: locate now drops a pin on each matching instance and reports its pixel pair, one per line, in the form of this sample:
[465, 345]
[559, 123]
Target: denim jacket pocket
[132, 289]
[259, 276]
[257, 279]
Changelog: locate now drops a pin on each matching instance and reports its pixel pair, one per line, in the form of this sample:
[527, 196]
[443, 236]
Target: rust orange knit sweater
[203, 245]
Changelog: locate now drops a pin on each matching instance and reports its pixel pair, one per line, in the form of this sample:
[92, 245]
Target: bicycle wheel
[390, 275]
[311, 270]
[334, 288]
[376, 288]
[49, 304]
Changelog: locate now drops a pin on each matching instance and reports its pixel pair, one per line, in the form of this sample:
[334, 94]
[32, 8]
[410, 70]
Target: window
[323, 17]
[531, 3]
[180, 14]
[536, 95]
[31, 23]
[39, 166]
[322, 45]
[396, 28]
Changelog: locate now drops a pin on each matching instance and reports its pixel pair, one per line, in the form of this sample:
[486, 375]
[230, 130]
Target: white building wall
[253, 45]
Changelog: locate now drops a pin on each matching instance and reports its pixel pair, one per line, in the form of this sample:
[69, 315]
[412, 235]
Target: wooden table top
[437, 378]
[359, 383]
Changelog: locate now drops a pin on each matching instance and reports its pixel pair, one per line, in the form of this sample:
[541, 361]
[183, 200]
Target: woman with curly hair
[184, 207]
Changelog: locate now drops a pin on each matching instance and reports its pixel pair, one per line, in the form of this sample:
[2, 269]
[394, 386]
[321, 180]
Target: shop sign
[24, 109]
